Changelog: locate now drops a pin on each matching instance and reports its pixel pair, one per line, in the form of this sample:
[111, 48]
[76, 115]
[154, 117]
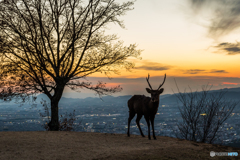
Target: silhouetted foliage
[49, 44]
[66, 122]
[203, 114]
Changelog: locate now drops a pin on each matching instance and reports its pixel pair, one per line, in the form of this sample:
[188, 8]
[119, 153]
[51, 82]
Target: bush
[203, 113]
[66, 122]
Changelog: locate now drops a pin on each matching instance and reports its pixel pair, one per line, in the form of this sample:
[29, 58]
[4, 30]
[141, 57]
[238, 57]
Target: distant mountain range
[231, 94]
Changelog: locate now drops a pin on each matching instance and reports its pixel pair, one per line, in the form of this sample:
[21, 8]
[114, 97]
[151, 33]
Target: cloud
[223, 15]
[155, 68]
[198, 4]
[230, 83]
[194, 71]
[230, 48]
[148, 65]
[218, 71]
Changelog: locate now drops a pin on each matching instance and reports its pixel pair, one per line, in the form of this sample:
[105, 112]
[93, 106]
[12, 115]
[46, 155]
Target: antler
[147, 78]
[162, 83]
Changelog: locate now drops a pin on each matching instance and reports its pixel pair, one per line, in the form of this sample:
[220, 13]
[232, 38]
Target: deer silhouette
[146, 106]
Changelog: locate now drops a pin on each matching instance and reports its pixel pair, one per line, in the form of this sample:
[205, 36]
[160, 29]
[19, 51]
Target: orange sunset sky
[176, 41]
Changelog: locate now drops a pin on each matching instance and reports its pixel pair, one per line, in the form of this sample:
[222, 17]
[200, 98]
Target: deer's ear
[160, 91]
[148, 90]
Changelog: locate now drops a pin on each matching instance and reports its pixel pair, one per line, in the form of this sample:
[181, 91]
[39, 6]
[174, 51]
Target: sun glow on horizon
[173, 43]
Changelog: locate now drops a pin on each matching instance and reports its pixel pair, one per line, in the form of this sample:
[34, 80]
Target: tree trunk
[54, 123]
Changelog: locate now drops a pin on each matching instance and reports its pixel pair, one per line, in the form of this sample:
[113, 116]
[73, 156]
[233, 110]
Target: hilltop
[81, 145]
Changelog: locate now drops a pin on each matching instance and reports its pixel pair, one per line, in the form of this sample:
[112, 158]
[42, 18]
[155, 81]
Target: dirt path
[82, 145]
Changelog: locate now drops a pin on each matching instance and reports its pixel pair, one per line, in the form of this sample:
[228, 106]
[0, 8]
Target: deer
[147, 106]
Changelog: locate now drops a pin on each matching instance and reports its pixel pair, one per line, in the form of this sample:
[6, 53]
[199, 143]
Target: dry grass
[81, 145]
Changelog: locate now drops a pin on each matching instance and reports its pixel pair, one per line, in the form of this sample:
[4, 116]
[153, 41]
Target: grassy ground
[81, 145]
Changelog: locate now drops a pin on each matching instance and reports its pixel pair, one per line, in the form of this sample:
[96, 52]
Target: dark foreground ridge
[82, 145]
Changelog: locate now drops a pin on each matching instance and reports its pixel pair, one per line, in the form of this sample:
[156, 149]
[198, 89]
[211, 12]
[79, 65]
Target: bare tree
[203, 113]
[49, 44]
[7, 94]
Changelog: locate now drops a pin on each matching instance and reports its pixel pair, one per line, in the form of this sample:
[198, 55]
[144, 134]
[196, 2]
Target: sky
[194, 42]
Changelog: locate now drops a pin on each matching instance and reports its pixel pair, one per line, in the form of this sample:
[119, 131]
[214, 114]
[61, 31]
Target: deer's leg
[137, 121]
[131, 115]
[152, 122]
[148, 123]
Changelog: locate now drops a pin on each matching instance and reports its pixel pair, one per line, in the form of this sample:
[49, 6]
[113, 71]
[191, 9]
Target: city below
[109, 115]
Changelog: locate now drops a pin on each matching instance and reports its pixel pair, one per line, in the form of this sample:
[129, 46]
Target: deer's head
[155, 93]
